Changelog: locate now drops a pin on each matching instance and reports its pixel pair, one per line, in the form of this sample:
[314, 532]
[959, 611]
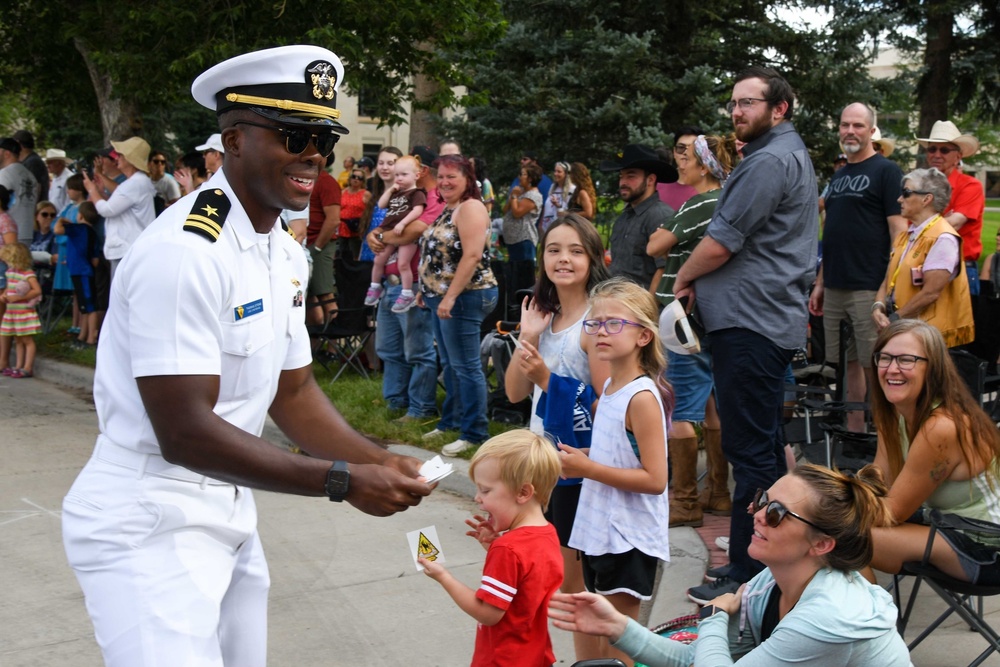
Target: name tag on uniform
[248, 309]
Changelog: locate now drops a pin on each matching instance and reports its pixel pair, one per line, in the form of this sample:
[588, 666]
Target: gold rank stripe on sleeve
[208, 214]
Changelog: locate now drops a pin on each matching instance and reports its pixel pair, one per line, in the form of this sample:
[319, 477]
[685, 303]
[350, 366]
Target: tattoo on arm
[939, 472]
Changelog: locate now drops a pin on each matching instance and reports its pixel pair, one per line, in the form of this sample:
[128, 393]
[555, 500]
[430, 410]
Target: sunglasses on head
[943, 150]
[775, 512]
[297, 140]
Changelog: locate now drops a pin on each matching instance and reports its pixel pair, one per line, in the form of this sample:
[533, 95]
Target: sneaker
[433, 435]
[457, 447]
[403, 303]
[705, 593]
[723, 543]
[73, 331]
[373, 295]
[716, 573]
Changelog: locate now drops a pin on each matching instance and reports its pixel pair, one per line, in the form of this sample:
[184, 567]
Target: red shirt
[326, 192]
[524, 567]
[968, 198]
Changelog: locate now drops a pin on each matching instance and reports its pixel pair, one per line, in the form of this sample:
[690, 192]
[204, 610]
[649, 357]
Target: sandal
[21, 373]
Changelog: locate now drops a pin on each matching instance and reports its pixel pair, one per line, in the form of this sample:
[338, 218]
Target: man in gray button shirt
[640, 169]
[752, 272]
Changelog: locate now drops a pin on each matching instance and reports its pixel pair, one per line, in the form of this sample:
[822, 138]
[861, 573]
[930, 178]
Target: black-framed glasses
[775, 512]
[297, 140]
[943, 150]
[612, 327]
[907, 192]
[906, 362]
[46, 214]
[744, 103]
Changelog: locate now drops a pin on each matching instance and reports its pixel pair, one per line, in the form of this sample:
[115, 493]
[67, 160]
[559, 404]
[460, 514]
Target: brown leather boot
[715, 497]
[684, 507]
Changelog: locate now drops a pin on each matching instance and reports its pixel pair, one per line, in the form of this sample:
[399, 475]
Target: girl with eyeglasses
[622, 516]
[809, 606]
[938, 450]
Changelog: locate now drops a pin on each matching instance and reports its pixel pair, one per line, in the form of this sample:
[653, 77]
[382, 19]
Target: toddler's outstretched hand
[482, 530]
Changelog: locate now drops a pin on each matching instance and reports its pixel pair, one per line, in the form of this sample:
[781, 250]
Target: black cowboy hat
[637, 156]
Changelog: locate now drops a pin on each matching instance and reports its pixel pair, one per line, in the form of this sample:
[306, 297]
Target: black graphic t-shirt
[856, 239]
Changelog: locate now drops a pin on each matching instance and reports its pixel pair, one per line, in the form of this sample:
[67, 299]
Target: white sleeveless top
[563, 355]
[609, 520]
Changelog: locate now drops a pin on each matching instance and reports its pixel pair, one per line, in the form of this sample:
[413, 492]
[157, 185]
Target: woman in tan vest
[925, 279]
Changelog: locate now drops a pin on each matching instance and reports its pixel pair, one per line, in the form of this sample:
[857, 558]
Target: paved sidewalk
[343, 589]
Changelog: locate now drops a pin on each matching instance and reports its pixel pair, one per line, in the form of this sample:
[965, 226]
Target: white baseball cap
[213, 143]
[676, 332]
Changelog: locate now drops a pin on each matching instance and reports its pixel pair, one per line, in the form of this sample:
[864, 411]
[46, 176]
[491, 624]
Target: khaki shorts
[856, 307]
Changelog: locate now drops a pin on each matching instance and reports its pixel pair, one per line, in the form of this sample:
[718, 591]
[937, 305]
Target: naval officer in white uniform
[205, 335]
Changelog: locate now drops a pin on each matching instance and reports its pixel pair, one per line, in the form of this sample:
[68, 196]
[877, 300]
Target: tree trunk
[423, 123]
[936, 82]
[119, 119]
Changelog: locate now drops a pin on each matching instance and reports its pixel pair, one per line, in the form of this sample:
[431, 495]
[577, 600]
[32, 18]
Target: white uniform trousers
[170, 563]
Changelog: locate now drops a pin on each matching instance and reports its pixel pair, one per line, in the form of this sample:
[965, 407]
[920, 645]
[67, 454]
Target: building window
[367, 104]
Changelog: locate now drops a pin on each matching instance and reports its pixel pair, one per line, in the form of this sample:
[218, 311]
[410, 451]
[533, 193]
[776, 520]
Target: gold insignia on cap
[208, 214]
[323, 78]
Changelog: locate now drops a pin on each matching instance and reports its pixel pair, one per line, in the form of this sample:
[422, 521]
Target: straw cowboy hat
[945, 132]
[887, 143]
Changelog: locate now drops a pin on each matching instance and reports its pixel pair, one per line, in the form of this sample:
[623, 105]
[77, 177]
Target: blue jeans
[521, 251]
[405, 343]
[972, 271]
[458, 346]
[749, 373]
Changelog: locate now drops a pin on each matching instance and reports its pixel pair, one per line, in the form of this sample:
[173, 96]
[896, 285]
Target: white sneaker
[433, 435]
[456, 448]
[723, 543]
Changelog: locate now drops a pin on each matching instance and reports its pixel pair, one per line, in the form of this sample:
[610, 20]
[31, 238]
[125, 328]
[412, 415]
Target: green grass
[358, 399]
[991, 222]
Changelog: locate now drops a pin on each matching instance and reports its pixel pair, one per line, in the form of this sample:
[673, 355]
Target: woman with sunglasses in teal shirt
[809, 606]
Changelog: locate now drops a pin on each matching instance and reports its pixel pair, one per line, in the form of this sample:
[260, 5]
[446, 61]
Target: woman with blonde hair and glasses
[809, 606]
[939, 451]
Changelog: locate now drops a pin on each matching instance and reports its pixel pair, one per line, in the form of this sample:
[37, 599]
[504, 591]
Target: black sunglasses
[297, 140]
[47, 215]
[943, 150]
[775, 512]
[355, 177]
[908, 192]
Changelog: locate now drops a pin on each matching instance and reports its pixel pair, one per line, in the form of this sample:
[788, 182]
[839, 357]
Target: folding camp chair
[963, 598]
[343, 338]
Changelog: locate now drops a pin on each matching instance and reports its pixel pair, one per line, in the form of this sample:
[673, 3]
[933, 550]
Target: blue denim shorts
[690, 375]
